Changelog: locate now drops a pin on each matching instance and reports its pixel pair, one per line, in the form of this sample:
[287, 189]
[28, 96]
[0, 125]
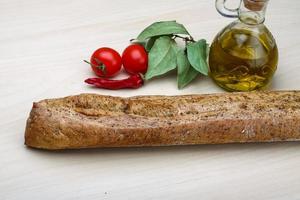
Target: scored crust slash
[90, 120]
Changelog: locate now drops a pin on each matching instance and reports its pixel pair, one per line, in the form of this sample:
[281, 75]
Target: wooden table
[42, 45]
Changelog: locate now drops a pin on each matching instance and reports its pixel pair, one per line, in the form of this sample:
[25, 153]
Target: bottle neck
[253, 12]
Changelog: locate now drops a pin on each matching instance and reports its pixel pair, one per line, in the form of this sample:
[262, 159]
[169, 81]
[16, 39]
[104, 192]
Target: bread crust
[90, 120]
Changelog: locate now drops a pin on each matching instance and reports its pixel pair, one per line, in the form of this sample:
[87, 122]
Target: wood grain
[42, 47]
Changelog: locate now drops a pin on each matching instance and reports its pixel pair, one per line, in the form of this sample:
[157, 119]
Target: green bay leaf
[162, 28]
[185, 72]
[162, 57]
[197, 55]
[149, 44]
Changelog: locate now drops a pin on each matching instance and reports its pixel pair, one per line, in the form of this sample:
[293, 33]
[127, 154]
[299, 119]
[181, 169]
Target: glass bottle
[244, 55]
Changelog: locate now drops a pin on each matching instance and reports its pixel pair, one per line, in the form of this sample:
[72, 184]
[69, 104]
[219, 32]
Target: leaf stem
[186, 39]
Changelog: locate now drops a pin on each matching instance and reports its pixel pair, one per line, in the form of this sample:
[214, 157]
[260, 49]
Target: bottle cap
[255, 5]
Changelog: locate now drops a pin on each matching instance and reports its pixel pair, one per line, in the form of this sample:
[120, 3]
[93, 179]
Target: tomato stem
[100, 65]
[87, 62]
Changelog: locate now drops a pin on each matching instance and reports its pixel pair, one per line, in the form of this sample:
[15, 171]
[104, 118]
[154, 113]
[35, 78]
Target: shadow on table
[173, 149]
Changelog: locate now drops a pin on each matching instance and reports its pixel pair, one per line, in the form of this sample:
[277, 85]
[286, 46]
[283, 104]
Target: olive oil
[243, 60]
[244, 55]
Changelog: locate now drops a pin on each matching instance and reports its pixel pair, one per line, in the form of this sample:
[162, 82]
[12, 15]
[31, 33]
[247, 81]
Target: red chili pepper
[133, 82]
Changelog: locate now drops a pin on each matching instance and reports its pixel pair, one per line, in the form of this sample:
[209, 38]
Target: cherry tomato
[135, 59]
[106, 62]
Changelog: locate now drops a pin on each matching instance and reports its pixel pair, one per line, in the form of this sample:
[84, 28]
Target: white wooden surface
[42, 45]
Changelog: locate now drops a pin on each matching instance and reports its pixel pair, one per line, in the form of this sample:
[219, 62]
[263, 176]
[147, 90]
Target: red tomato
[106, 62]
[135, 59]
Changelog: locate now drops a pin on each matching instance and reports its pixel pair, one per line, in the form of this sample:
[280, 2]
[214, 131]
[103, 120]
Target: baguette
[90, 120]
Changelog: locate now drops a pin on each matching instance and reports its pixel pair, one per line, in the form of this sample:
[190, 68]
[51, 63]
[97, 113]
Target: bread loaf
[90, 120]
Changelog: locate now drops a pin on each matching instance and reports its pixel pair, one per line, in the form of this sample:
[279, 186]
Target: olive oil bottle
[244, 55]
